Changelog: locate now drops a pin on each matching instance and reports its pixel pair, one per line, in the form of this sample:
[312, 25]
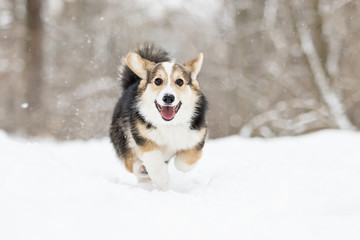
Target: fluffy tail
[148, 51]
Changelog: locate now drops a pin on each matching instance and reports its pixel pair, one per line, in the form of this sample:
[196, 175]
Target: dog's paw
[182, 166]
[160, 178]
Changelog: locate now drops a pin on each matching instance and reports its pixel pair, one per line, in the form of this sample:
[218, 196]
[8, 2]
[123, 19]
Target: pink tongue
[167, 112]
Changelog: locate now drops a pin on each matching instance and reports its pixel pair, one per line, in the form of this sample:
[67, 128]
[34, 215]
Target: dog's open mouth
[167, 112]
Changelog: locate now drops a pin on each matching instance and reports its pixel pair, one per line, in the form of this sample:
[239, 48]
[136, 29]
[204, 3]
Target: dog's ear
[194, 66]
[139, 65]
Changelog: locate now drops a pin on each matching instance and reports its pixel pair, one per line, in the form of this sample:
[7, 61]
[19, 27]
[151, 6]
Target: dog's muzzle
[167, 112]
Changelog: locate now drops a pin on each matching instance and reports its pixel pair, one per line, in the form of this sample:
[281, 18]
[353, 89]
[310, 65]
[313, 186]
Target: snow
[305, 187]
[24, 105]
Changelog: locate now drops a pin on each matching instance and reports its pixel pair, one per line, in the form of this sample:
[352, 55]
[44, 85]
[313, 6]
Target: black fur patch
[119, 140]
[121, 121]
[198, 120]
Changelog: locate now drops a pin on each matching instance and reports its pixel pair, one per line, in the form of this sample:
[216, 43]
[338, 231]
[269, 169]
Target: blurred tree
[271, 68]
[12, 33]
[319, 59]
[33, 119]
[320, 45]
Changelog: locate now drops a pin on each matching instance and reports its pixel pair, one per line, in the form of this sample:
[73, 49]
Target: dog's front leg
[156, 167]
[185, 159]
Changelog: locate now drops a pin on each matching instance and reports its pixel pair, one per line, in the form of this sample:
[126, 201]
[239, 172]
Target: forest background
[271, 68]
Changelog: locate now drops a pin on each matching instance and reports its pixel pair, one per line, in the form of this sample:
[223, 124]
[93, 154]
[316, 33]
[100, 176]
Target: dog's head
[168, 91]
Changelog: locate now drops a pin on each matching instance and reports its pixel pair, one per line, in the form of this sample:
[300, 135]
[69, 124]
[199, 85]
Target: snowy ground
[304, 187]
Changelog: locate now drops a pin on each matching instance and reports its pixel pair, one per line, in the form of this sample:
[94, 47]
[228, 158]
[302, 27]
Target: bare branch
[320, 78]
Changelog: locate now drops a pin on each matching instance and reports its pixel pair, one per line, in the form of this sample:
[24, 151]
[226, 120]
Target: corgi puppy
[160, 115]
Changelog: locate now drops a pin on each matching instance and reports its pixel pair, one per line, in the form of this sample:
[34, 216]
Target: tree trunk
[33, 72]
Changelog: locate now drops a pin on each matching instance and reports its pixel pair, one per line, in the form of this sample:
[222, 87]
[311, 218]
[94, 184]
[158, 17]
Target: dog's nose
[168, 98]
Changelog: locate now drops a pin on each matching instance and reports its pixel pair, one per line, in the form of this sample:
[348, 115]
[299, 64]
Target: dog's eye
[179, 82]
[158, 81]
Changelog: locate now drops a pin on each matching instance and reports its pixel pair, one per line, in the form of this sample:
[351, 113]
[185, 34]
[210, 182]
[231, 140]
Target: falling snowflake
[24, 105]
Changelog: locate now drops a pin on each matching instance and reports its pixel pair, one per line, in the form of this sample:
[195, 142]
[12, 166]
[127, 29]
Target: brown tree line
[271, 68]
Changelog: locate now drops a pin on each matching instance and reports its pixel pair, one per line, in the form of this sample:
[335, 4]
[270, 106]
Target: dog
[160, 115]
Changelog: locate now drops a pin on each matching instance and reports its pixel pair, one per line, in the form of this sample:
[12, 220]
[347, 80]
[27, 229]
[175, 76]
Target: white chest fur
[173, 138]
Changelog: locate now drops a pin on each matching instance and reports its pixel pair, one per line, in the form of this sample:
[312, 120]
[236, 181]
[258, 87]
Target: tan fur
[142, 128]
[190, 156]
[129, 162]
[144, 133]
[203, 131]
[142, 84]
[148, 147]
